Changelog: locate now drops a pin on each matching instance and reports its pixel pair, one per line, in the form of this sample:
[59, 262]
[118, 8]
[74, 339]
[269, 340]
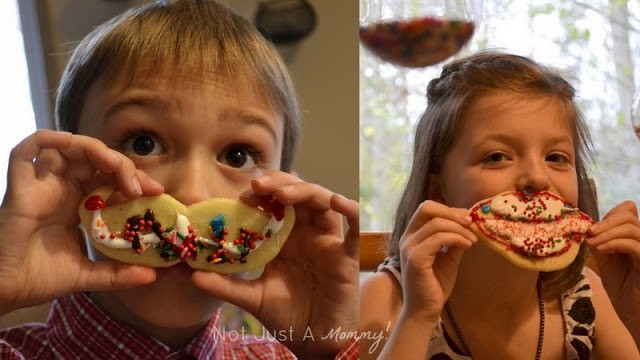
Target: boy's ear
[434, 192]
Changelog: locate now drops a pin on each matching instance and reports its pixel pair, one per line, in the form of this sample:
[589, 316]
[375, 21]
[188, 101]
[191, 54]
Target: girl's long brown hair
[460, 84]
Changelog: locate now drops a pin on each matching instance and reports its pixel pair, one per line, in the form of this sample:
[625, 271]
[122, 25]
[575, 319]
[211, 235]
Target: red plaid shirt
[77, 329]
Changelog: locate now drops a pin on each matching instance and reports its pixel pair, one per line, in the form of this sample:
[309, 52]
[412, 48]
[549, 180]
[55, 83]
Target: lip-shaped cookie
[537, 231]
[219, 235]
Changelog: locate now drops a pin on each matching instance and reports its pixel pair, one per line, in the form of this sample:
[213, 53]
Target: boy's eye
[239, 157]
[142, 145]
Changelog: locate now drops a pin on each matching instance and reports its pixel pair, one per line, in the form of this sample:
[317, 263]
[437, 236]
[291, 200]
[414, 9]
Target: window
[18, 119]
[596, 54]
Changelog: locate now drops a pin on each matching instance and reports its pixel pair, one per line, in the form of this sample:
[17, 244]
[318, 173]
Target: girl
[187, 98]
[498, 122]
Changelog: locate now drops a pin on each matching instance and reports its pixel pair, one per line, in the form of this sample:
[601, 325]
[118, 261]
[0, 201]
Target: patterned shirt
[579, 320]
[78, 329]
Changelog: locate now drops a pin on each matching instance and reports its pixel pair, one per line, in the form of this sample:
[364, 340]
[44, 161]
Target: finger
[312, 203]
[625, 206]
[618, 219]
[49, 161]
[351, 210]
[240, 292]
[149, 186]
[624, 230]
[435, 226]
[347, 207]
[104, 276]
[268, 183]
[623, 246]
[95, 152]
[312, 195]
[423, 254]
[252, 198]
[22, 155]
[430, 209]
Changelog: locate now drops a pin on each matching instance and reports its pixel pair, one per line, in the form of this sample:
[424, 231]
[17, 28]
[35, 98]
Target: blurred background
[595, 44]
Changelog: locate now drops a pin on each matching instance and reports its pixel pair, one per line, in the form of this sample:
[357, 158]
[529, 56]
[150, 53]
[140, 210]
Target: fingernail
[115, 155]
[249, 192]
[594, 228]
[262, 179]
[136, 186]
[465, 219]
[341, 197]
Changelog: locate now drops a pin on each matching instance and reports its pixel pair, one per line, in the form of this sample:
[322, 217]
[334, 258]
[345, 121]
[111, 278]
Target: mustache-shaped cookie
[538, 231]
[219, 235]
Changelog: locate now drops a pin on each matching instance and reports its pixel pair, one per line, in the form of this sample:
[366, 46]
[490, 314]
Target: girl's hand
[40, 248]
[430, 252]
[615, 243]
[311, 287]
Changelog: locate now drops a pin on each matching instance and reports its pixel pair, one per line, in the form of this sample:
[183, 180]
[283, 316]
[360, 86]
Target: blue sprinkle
[217, 225]
[486, 208]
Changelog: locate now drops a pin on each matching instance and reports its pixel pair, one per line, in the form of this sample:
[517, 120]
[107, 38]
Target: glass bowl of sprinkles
[417, 33]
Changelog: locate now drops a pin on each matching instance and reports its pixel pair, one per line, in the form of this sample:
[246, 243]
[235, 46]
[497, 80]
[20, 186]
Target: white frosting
[552, 234]
[272, 226]
[533, 231]
[101, 234]
[182, 228]
[511, 205]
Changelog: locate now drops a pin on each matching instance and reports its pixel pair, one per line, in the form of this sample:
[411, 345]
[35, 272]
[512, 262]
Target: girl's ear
[434, 192]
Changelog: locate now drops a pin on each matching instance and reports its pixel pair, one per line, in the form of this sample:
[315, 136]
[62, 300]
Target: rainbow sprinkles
[213, 233]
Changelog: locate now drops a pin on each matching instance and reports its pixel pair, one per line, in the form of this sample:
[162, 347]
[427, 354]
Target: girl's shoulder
[611, 336]
[380, 306]
[381, 288]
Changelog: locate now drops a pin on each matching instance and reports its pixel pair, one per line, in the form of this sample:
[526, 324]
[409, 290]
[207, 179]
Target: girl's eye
[142, 145]
[495, 158]
[240, 157]
[557, 158]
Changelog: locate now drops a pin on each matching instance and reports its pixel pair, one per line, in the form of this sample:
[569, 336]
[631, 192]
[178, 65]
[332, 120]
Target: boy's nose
[532, 177]
[194, 179]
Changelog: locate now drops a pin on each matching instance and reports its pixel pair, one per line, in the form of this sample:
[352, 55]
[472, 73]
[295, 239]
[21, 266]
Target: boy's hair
[196, 38]
[460, 84]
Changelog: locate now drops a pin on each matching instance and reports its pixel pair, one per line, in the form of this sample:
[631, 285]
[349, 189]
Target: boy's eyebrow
[252, 119]
[143, 101]
[162, 105]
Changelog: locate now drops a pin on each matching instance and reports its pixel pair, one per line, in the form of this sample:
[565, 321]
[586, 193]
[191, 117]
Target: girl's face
[198, 138]
[508, 143]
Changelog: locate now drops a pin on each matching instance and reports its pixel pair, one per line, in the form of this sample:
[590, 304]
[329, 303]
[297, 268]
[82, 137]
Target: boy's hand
[40, 252]
[615, 243]
[311, 288]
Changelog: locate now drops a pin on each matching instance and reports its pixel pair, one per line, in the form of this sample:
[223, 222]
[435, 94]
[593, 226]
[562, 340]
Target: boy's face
[200, 139]
[510, 143]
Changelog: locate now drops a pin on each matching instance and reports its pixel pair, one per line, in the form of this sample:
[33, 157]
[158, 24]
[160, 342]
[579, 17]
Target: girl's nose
[533, 177]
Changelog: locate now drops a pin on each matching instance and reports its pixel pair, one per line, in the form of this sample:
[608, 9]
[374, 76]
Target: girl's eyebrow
[509, 139]
[560, 139]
